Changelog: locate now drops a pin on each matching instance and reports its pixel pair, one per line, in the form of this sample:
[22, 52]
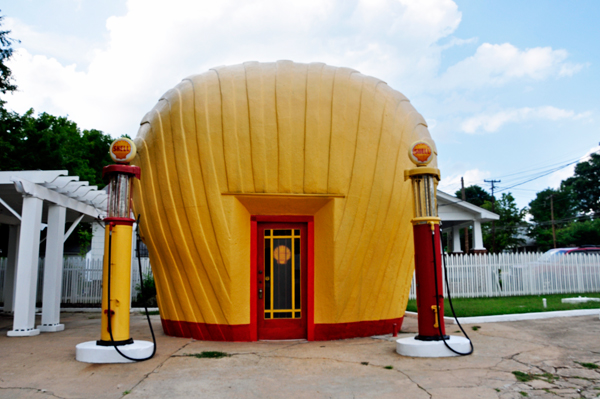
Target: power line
[537, 177]
[533, 224]
[532, 176]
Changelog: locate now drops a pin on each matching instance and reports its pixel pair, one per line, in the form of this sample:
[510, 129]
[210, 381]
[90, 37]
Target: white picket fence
[493, 275]
[469, 276]
[82, 280]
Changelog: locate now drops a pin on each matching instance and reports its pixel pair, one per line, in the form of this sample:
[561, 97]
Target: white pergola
[28, 200]
[456, 214]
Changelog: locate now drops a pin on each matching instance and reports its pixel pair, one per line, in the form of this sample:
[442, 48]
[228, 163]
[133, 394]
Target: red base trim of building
[242, 332]
[207, 332]
[328, 332]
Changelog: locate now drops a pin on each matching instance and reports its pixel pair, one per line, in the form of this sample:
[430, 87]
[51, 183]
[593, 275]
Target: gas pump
[115, 344]
[431, 340]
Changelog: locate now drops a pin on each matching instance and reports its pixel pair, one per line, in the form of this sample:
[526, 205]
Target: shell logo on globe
[421, 153]
[122, 150]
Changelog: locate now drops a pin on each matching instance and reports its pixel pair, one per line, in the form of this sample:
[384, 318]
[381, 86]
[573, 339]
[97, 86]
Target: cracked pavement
[555, 358]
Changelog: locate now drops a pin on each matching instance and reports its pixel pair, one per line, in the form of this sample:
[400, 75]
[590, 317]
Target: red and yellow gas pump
[431, 340]
[426, 230]
[115, 344]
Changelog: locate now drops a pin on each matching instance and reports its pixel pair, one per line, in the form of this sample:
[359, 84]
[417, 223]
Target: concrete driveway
[549, 353]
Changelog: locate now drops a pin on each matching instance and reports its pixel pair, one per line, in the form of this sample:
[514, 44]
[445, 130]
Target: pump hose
[437, 300]
[112, 340]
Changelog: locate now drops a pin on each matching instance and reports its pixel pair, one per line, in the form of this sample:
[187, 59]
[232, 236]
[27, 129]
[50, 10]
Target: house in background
[457, 214]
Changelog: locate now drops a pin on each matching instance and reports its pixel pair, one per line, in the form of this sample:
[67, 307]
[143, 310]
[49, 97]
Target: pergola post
[53, 268]
[9, 275]
[27, 268]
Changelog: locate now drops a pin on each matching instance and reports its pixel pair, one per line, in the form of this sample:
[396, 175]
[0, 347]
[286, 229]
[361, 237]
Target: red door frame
[282, 328]
[310, 281]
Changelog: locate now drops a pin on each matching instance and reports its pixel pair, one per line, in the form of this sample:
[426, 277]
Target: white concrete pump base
[51, 328]
[89, 352]
[415, 348]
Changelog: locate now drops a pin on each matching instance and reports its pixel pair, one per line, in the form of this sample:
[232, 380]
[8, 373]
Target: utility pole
[493, 209]
[552, 216]
[464, 198]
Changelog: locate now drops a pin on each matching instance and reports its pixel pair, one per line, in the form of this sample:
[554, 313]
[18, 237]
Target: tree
[475, 195]
[11, 137]
[565, 206]
[49, 142]
[579, 233]
[585, 184]
[6, 52]
[509, 228]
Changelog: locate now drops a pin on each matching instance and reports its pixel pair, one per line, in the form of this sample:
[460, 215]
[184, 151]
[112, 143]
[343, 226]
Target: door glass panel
[282, 274]
[297, 290]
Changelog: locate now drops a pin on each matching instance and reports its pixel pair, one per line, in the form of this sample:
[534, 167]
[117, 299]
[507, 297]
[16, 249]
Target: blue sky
[508, 88]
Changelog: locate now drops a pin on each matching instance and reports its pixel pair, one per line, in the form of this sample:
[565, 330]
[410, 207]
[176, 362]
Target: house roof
[454, 211]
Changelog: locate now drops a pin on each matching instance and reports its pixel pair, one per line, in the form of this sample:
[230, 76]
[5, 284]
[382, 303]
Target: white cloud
[455, 41]
[111, 85]
[153, 46]
[70, 49]
[471, 177]
[498, 64]
[491, 122]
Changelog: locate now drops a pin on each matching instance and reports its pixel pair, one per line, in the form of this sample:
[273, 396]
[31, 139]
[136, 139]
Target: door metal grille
[282, 274]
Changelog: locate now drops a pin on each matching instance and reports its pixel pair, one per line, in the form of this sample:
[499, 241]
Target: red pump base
[430, 317]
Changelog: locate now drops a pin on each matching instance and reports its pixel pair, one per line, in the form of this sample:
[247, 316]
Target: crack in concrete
[566, 382]
[416, 383]
[154, 370]
[512, 357]
[554, 345]
[339, 361]
[43, 391]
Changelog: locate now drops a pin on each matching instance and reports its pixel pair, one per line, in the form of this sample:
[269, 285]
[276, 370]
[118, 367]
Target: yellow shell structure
[230, 145]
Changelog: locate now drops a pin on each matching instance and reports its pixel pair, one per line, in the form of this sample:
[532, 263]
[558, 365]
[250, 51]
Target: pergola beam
[10, 209]
[31, 189]
[72, 228]
[34, 176]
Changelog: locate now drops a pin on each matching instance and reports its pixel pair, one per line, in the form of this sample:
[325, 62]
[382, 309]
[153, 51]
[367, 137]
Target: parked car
[554, 254]
[557, 270]
[584, 249]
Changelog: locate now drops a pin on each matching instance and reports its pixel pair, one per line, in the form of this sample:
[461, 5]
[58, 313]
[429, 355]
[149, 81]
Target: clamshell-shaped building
[274, 205]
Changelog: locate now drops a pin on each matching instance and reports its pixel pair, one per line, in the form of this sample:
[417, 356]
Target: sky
[509, 88]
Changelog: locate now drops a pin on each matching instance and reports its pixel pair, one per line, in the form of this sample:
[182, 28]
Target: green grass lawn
[469, 307]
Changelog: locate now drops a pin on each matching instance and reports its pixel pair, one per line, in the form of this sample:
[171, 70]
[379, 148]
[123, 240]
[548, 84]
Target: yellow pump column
[115, 344]
[119, 236]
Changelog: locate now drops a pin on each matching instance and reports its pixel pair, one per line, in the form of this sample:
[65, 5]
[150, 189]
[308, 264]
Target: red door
[281, 280]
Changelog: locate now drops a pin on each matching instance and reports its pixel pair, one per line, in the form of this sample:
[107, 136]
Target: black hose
[112, 340]
[437, 301]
